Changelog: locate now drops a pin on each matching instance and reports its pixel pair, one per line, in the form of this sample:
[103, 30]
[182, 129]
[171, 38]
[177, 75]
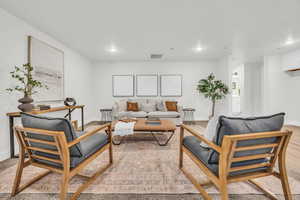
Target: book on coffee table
[153, 121]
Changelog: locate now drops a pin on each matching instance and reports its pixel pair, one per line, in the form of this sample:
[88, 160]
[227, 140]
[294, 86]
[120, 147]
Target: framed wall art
[123, 85]
[48, 65]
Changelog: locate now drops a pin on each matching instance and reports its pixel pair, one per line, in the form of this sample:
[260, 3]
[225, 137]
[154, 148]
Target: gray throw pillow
[160, 106]
[235, 126]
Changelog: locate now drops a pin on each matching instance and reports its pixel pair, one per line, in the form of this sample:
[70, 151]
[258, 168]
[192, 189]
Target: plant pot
[26, 105]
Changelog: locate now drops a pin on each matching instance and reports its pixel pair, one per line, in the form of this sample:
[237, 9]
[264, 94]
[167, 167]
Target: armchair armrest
[89, 133]
[201, 138]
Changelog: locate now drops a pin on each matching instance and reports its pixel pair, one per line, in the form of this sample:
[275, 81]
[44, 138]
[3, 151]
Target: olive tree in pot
[213, 90]
[27, 86]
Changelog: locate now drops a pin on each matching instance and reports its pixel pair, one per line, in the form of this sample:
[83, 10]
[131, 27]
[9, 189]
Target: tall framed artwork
[48, 64]
[171, 85]
[146, 85]
[123, 85]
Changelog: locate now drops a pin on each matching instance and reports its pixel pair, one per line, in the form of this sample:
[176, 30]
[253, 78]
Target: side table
[106, 115]
[189, 115]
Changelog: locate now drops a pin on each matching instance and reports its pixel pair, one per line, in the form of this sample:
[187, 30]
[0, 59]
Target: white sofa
[147, 108]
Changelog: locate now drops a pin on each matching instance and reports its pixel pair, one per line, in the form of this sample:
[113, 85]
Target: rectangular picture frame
[171, 85]
[146, 85]
[123, 85]
[48, 64]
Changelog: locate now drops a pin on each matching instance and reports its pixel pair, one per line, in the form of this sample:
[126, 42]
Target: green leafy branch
[28, 84]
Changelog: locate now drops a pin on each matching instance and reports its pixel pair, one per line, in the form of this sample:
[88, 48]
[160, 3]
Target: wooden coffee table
[166, 126]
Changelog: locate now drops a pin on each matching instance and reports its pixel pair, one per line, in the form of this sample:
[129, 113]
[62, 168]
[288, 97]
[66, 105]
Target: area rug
[140, 167]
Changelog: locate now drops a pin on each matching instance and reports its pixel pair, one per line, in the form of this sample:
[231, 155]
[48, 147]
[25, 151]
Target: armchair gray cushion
[235, 126]
[78, 152]
[193, 144]
[89, 146]
[51, 124]
[92, 143]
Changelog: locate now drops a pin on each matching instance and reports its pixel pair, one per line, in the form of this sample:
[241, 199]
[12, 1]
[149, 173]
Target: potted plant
[213, 90]
[27, 85]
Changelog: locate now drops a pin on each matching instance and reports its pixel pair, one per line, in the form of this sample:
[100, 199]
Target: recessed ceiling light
[198, 49]
[289, 41]
[112, 49]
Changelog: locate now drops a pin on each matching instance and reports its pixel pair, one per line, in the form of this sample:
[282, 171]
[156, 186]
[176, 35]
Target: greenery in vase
[27, 83]
[213, 90]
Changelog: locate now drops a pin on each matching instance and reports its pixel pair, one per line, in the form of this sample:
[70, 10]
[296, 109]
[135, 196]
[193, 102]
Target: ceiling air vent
[156, 56]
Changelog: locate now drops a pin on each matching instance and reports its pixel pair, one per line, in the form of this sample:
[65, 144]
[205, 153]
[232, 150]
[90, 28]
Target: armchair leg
[180, 148]
[18, 176]
[284, 178]
[64, 187]
[110, 153]
[224, 192]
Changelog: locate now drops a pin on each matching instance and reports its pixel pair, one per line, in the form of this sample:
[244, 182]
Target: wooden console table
[14, 115]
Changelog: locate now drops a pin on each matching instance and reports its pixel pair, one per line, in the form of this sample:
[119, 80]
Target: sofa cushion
[51, 124]
[164, 114]
[139, 114]
[235, 126]
[193, 144]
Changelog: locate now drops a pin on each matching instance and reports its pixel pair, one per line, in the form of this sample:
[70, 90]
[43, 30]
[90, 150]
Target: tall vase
[26, 105]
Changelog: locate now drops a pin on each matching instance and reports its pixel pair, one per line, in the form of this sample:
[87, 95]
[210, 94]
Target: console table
[14, 115]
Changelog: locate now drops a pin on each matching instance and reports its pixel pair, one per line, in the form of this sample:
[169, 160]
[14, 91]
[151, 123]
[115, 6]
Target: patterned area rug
[140, 167]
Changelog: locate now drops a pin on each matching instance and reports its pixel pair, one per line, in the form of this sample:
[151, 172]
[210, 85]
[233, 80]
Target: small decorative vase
[26, 105]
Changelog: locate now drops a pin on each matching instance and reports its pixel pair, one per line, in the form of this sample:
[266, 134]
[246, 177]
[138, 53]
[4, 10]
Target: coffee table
[166, 126]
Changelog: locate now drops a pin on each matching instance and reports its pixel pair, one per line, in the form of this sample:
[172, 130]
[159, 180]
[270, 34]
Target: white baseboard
[4, 155]
[293, 123]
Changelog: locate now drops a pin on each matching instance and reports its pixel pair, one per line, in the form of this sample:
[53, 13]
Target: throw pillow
[160, 106]
[171, 105]
[210, 131]
[148, 107]
[122, 105]
[132, 106]
[237, 125]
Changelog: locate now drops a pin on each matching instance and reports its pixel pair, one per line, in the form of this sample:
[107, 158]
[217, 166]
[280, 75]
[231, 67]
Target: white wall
[192, 72]
[13, 51]
[251, 89]
[281, 90]
[252, 104]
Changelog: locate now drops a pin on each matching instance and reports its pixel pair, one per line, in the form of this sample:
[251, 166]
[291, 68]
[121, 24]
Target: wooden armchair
[237, 160]
[53, 144]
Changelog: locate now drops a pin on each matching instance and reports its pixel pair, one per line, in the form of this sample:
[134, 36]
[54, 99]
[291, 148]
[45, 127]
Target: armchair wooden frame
[226, 158]
[62, 146]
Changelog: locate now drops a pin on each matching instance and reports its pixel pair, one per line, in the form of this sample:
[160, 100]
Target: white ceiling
[138, 28]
